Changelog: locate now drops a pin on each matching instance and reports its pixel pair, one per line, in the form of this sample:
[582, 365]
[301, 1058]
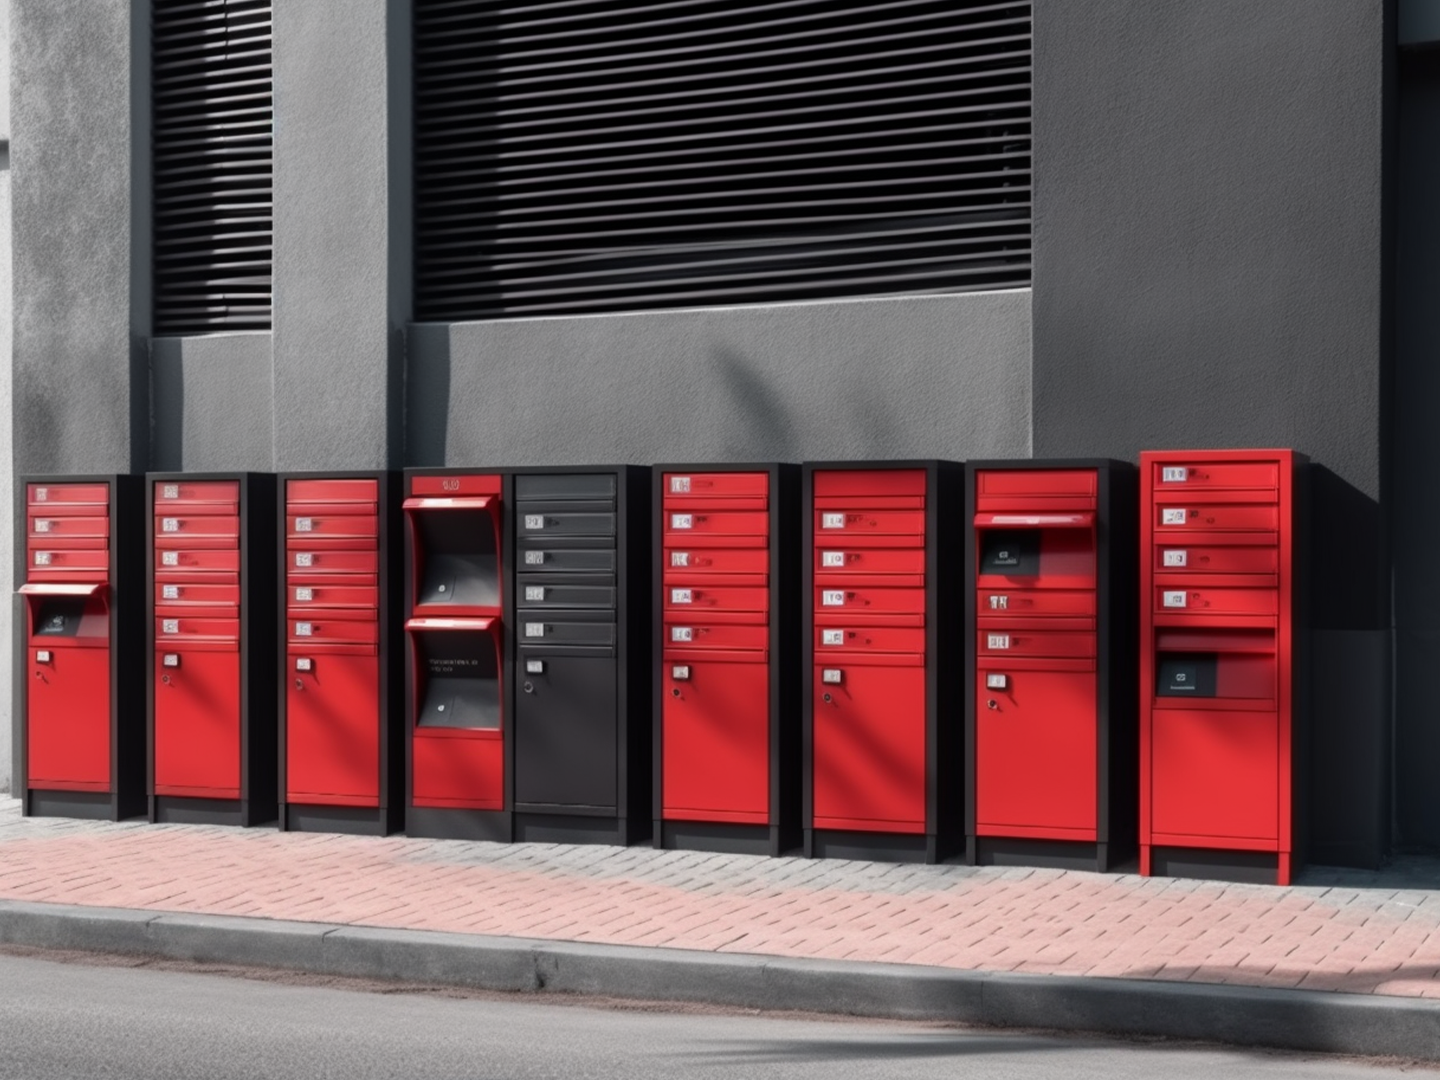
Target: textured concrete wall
[339, 233]
[7, 455]
[1209, 256]
[945, 376]
[211, 399]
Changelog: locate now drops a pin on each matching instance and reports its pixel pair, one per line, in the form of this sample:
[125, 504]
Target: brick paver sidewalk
[1338, 930]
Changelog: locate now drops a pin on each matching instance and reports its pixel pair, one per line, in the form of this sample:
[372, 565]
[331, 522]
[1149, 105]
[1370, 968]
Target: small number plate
[832, 521]
[170, 592]
[831, 676]
[679, 558]
[42, 526]
[42, 656]
[1175, 558]
[42, 558]
[303, 663]
[304, 558]
[170, 626]
[680, 672]
[534, 667]
[534, 521]
[682, 596]
[171, 659]
[304, 525]
[42, 494]
[832, 598]
[304, 595]
[682, 521]
[680, 485]
[682, 633]
[997, 641]
[169, 524]
[170, 491]
[1172, 517]
[994, 682]
[1174, 599]
[170, 558]
[832, 558]
[534, 592]
[1174, 474]
[534, 629]
[999, 603]
[304, 629]
[534, 558]
[832, 637]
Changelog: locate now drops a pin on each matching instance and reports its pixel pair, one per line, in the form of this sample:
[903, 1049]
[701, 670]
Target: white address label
[1174, 474]
[832, 521]
[831, 676]
[997, 641]
[682, 633]
[1178, 557]
[1174, 599]
[680, 485]
[832, 558]
[679, 558]
[42, 558]
[42, 526]
[1172, 517]
[170, 558]
[304, 558]
[832, 637]
[999, 603]
[534, 558]
[304, 595]
[534, 629]
[682, 521]
[682, 596]
[170, 592]
[304, 629]
[832, 598]
[169, 524]
[304, 525]
[170, 626]
[170, 491]
[534, 592]
[534, 521]
[42, 494]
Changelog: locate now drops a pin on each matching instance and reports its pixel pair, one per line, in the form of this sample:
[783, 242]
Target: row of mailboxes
[890, 659]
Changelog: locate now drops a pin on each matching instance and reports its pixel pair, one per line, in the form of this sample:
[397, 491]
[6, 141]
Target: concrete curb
[1246, 1016]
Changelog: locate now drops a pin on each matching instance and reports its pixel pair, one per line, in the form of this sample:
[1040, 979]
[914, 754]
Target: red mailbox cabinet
[340, 682]
[882, 683]
[727, 736]
[211, 635]
[1050, 727]
[1222, 663]
[81, 728]
[457, 728]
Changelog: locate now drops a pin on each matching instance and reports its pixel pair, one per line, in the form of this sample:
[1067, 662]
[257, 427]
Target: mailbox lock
[992, 704]
[529, 687]
[675, 691]
[299, 684]
[165, 679]
[828, 699]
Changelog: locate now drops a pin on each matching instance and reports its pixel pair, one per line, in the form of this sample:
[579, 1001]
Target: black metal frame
[782, 834]
[454, 823]
[126, 797]
[945, 481]
[1117, 528]
[389, 817]
[632, 821]
[259, 793]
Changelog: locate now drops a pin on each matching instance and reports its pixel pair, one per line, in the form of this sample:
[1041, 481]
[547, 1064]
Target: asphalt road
[83, 1019]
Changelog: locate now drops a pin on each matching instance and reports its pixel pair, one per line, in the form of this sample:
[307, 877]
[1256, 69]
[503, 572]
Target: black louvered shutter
[211, 94]
[604, 155]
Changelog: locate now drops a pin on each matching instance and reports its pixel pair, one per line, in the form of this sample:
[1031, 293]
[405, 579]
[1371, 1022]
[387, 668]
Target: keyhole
[675, 690]
[827, 699]
[529, 687]
[992, 704]
[299, 684]
[165, 679]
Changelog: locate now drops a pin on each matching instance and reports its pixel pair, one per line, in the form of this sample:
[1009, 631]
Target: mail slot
[580, 599]
[457, 732]
[727, 740]
[212, 642]
[329, 525]
[1049, 721]
[881, 561]
[81, 723]
[1222, 654]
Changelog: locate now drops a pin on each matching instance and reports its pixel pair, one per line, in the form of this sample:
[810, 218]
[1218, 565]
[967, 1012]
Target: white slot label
[170, 558]
[832, 521]
[170, 491]
[42, 494]
[997, 641]
[304, 558]
[1174, 474]
[534, 592]
[534, 558]
[1172, 517]
[534, 667]
[304, 525]
[42, 656]
[534, 521]
[304, 595]
[304, 629]
[679, 558]
[832, 598]
[169, 524]
[170, 592]
[682, 633]
[832, 558]
[682, 521]
[171, 659]
[1175, 558]
[999, 603]
[302, 663]
[42, 558]
[534, 629]
[682, 596]
[831, 676]
[832, 637]
[170, 626]
[42, 526]
[680, 672]
[995, 682]
[1174, 599]
[680, 485]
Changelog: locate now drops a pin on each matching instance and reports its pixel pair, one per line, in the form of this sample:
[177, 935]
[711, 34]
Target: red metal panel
[463, 770]
[1171, 476]
[332, 729]
[50, 496]
[716, 528]
[869, 747]
[329, 626]
[831, 525]
[715, 635]
[68, 565]
[185, 597]
[843, 640]
[68, 718]
[679, 561]
[473, 484]
[682, 598]
[1000, 603]
[332, 491]
[47, 529]
[173, 631]
[310, 561]
[833, 560]
[177, 564]
[684, 487]
[866, 600]
[200, 531]
[1210, 601]
[1215, 773]
[318, 596]
[304, 529]
[1176, 517]
[1174, 558]
[197, 722]
[717, 738]
[1035, 748]
[848, 482]
[1026, 642]
[1032, 482]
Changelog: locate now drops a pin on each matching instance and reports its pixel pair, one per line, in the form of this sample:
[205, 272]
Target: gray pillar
[342, 248]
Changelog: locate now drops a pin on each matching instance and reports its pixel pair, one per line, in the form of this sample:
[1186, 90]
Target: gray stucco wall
[7, 454]
[943, 376]
[211, 402]
[1209, 257]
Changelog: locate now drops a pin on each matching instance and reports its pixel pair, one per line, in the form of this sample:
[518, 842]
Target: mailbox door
[717, 740]
[331, 728]
[462, 772]
[565, 732]
[1035, 752]
[869, 748]
[68, 718]
[197, 723]
[1216, 774]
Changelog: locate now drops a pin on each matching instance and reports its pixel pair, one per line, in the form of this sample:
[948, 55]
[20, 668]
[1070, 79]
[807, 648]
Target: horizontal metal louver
[602, 155]
[212, 146]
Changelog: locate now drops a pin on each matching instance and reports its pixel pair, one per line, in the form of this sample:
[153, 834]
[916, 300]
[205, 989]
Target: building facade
[1226, 239]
